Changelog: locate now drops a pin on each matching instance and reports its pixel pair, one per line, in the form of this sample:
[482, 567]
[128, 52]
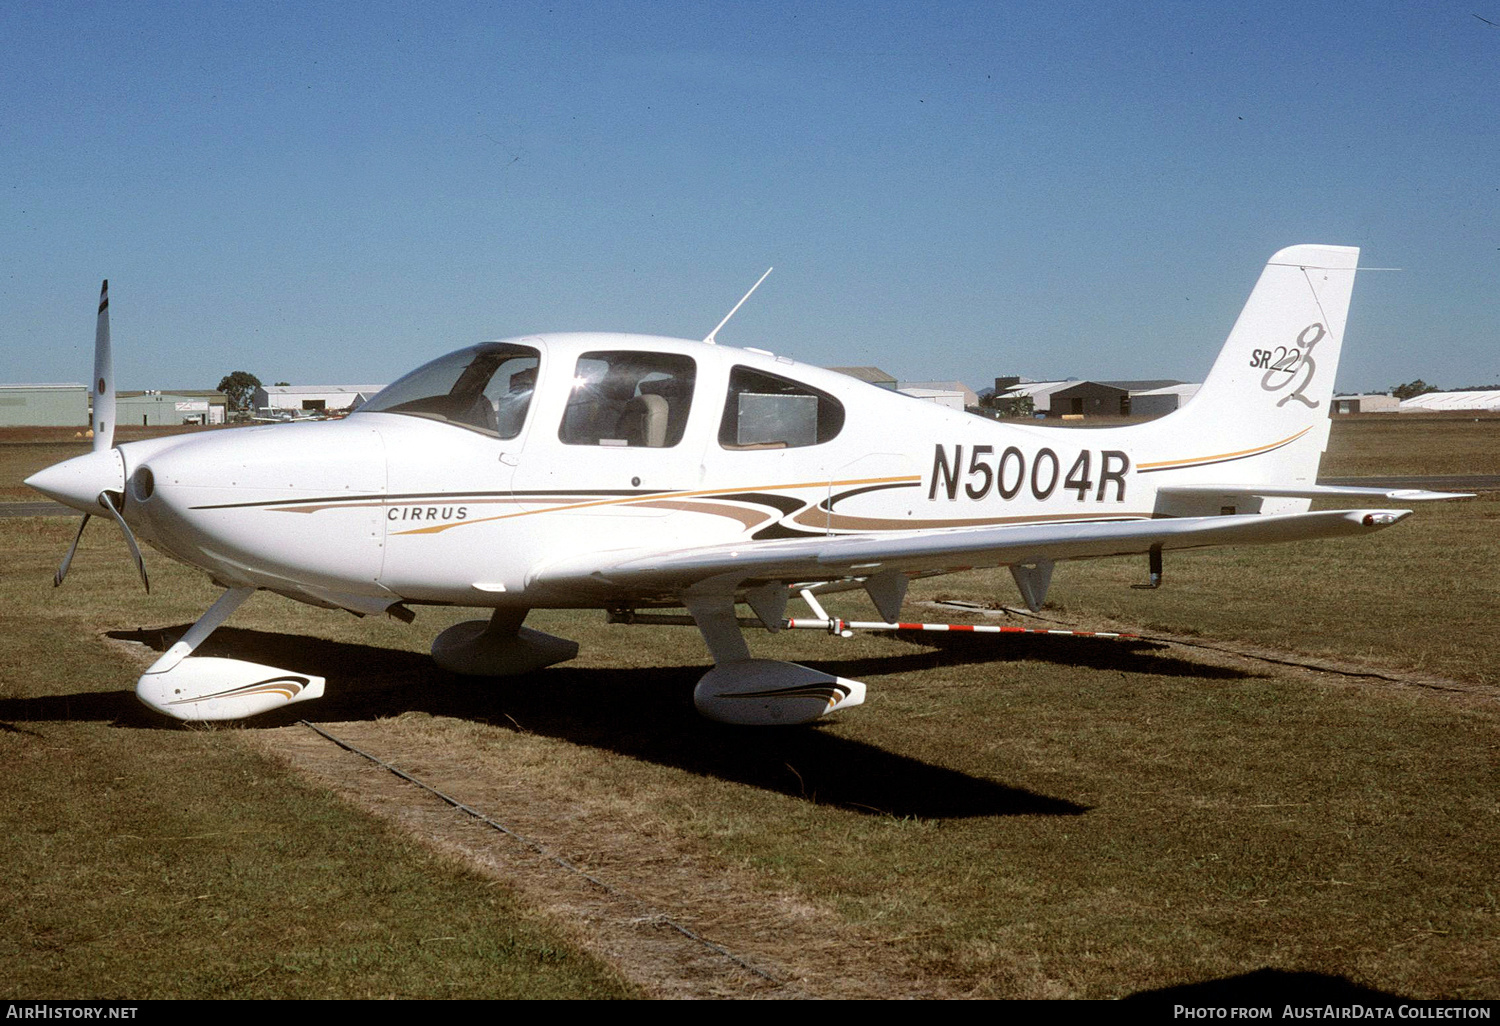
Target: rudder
[1265, 403]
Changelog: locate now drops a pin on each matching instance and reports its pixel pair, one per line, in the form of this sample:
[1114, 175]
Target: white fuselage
[385, 507]
[606, 470]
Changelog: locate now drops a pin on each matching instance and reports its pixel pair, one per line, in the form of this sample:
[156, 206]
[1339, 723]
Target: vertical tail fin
[1265, 403]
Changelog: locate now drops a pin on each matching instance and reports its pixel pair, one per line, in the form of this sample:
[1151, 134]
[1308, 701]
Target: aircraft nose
[78, 482]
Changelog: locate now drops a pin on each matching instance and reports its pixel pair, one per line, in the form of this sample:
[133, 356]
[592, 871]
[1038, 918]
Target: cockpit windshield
[485, 388]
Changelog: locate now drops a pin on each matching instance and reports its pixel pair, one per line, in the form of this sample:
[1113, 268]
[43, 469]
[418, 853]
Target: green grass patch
[1060, 817]
[1020, 816]
[1405, 445]
[156, 863]
[1420, 596]
[150, 861]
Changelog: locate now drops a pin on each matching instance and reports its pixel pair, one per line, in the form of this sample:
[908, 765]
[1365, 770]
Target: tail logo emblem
[1285, 363]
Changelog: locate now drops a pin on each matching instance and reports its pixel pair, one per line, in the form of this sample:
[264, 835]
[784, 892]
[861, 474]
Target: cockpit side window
[485, 388]
[628, 398]
[767, 411]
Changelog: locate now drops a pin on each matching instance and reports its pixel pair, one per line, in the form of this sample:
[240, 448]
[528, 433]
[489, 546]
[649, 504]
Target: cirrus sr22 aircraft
[620, 472]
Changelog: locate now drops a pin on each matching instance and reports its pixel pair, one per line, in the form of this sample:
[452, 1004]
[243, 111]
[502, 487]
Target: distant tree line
[998, 406]
[239, 389]
[1419, 387]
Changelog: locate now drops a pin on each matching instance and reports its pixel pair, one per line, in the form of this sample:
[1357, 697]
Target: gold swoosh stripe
[503, 500]
[1164, 464]
[642, 499]
[750, 518]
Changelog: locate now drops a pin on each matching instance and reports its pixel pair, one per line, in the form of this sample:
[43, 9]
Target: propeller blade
[104, 377]
[107, 500]
[62, 569]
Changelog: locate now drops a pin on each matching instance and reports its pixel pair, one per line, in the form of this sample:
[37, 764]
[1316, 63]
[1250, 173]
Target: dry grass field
[1404, 444]
[1004, 817]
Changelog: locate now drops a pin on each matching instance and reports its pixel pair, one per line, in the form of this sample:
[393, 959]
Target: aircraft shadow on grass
[959, 649]
[643, 713]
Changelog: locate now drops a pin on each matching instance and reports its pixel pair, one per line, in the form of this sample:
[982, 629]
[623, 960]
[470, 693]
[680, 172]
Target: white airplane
[620, 472]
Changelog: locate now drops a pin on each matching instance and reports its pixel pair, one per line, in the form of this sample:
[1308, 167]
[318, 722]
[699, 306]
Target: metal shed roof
[1433, 401]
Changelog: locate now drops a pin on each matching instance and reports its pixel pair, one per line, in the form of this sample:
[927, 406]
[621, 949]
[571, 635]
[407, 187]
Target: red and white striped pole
[845, 628]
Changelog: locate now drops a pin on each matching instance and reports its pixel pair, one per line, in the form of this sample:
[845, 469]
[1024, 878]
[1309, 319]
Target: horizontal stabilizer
[1310, 492]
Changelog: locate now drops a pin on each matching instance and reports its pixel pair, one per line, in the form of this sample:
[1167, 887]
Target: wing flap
[859, 556]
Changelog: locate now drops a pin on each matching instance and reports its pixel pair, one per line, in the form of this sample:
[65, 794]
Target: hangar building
[311, 398]
[44, 405]
[1158, 402]
[870, 375]
[951, 398]
[1039, 392]
[1433, 402]
[188, 406]
[971, 397]
[1075, 398]
[1373, 403]
[1089, 399]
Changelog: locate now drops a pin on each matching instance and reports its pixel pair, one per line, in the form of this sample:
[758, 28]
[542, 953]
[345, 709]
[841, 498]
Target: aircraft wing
[835, 557]
[1310, 492]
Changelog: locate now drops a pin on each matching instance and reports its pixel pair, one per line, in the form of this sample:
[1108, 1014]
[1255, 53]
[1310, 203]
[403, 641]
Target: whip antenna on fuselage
[710, 339]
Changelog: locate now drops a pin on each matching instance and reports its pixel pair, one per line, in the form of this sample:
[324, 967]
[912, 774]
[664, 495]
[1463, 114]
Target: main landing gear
[499, 647]
[759, 692]
[738, 689]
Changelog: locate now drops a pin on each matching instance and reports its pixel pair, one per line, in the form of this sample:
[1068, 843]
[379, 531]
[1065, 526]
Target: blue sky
[327, 193]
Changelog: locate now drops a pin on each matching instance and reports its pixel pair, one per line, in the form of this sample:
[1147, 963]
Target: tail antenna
[710, 339]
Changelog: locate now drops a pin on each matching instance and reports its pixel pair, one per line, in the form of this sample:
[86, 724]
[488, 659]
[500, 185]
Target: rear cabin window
[766, 411]
[629, 399]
